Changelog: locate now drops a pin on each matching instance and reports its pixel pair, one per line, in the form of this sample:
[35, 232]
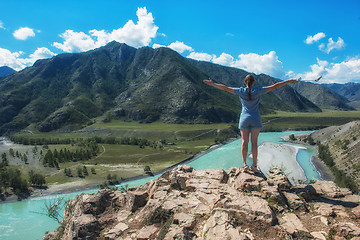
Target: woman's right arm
[219, 86]
[280, 84]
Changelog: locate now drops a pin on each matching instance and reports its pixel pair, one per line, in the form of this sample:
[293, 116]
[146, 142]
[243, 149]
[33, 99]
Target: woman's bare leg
[244, 146]
[254, 144]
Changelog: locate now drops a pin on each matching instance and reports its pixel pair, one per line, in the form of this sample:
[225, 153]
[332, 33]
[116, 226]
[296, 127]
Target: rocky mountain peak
[213, 204]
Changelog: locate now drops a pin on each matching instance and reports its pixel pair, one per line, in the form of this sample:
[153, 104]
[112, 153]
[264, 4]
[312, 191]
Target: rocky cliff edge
[213, 204]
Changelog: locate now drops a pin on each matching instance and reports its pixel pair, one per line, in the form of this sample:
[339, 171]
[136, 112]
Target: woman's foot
[254, 168]
[246, 168]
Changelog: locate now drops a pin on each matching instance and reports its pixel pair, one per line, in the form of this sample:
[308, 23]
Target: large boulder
[116, 232]
[292, 224]
[328, 209]
[248, 182]
[85, 226]
[278, 178]
[218, 174]
[147, 232]
[136, 200]
[294, 201]
[184, 220]
[179, 233]
[248, 208]
[221, 226]
[97, 202]
[306, 191]
[330, 189]
[346, 229]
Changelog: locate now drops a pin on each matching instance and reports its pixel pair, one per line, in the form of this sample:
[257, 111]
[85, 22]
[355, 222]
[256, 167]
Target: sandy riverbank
[321, 168]
[283, 156]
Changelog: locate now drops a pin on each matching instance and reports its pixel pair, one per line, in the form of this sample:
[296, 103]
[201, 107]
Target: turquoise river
[19, 220]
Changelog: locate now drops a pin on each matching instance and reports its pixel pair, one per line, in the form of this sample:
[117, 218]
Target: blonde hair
[249, 81]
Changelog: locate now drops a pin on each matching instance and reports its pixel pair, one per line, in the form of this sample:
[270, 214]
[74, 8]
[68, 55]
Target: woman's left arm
[280, 84]
[219, 86]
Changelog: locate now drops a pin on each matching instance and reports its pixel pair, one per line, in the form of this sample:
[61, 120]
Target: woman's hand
[209, 82]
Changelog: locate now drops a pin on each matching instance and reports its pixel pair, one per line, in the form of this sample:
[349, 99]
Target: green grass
[323, 114]
[125, 154]
[126, 160]
[119, 128]
[157, 126]
[281, 121]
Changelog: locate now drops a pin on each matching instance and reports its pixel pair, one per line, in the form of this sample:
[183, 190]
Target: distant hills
[5, 70]
[71, 90]
[350, 91]
[322, 96]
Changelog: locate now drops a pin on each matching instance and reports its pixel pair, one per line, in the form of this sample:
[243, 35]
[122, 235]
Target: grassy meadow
[167, 144]
[281, 121]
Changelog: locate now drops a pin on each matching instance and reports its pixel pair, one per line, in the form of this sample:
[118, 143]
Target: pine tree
[80, 172]
[4, 159]
[85, 171]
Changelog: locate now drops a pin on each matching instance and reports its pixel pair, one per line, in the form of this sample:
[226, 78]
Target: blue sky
[284, 39]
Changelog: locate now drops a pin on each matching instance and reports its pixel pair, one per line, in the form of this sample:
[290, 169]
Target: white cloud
[343, 72]
[252, 62]
[2, 25]
[136, 35]
[332, 45]
[200, 56]
[180, 47]
[10, 59]
[224, 59]
[24, 33]
[14, 61]
[155, 45]
[268, 64]
[40, 53]
[75, 42]
[315, 38]
[317, 70]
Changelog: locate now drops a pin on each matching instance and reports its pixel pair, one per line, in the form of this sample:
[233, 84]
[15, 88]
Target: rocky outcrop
[213, 204]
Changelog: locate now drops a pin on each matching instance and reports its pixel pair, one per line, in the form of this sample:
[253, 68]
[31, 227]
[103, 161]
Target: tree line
[341, 179]
[80, 141]
[81, 172]
[53, 158]
[12, 178]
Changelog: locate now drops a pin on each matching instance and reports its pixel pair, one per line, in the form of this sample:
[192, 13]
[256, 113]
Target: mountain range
[350, 91]
[322, 96]
[145, 84]
[5, 70]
